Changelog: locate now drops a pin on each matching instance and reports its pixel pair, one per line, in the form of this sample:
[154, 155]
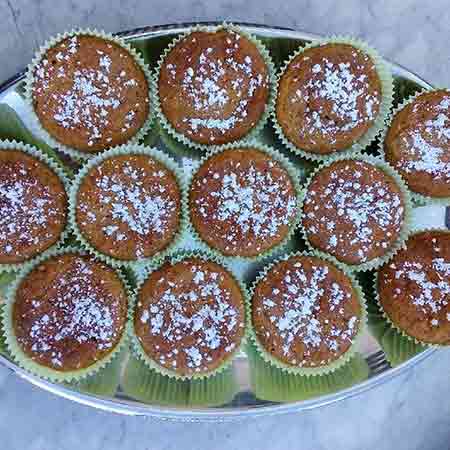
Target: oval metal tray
[245, 404]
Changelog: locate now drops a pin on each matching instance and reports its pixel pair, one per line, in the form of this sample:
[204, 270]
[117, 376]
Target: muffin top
[417, 143]
[305, 312]
[414, 287]
[328, 98]
[190, 316]
[33, 207]
[90, 93]
[69, 312]
[128, 206]
[242, 202]
[213, 86]
[353, 210]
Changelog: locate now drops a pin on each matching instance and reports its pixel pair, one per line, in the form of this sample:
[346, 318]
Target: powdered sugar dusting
[74, 310]
[307, 310]
[194, 316]
[353, 209]
[89, 96]
[422, 279]
[136, 202]
[428, 145]
[332, 93]
[29, 208]
[244, 204]
[218, 85]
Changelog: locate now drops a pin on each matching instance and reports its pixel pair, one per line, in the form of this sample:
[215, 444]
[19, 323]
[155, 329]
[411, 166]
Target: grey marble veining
[410, 412]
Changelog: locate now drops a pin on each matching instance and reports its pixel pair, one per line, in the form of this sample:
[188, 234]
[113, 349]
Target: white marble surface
[410, 412]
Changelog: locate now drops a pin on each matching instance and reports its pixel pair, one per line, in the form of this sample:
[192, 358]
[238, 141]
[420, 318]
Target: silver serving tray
[245, 404]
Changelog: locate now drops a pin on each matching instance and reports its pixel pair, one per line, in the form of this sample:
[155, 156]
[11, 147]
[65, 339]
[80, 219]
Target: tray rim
[216, 414]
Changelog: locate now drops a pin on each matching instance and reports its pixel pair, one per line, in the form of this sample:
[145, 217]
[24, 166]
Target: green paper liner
[42, 132]
[293, 175]
[272, 384]
[151, 138]
[406, 226]
[166, 125]
[418, 198]
[394, 342]
[59, 172]
[176, 148]
[396, 347]
[6, 280]
[303, 166]
[281, 47]
[387, 88]
[106, 381]
[149, 386]
[127, 149]
[13, 129]
[136, 346]
[23, 360]
[312, 372]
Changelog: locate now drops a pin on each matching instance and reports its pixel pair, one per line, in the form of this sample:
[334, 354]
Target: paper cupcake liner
[152, 136]
[404, 88]
[106, 381]
[149, 386]
[287, 369]
[13, 129]
[386, 317]
[387, 88]
[167, 126]
[285, 164]
[6, 280]
[24, 360]
[176, 148]
[406, 226]
[269, 137]
[42, 132]
[271, 384]
[57, 169]
[127, 149]
[395, 346]
[136, 346]
[280, 48]
[418, 198]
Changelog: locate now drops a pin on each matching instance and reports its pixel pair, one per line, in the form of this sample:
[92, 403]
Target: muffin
[417, 143]
[33, 204]
[355, 210]
[213, 86]
[330, 96]
[306, 314]
[66, 316]
[243, 200]
[89, 92]
[414, 288]
[189, 318]
[127, 204]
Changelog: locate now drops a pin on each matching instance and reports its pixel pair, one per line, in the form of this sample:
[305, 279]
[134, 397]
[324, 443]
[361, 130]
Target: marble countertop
[410, 412]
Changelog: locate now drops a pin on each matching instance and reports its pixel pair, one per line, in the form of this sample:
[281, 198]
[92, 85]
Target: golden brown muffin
[129, 206]
[242, 202]
[305, 312]
[69, 312]
[328, 98]
[417, 143]
[414, 287]
[90, 93]
[190, 316]
[354, 211]
[214, 86]
[33, 207]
